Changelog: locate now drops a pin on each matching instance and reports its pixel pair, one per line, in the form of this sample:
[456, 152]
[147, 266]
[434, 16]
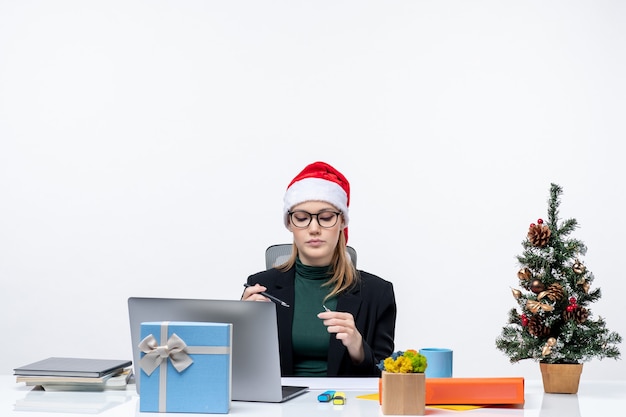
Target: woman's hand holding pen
[258, 294]
[252, 293]
[344, 328]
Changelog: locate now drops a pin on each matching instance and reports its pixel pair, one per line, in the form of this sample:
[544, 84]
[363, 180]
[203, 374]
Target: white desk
[594, 399]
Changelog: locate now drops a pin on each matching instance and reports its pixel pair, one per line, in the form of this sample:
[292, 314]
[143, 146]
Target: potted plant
[403, 383]
[553, 323]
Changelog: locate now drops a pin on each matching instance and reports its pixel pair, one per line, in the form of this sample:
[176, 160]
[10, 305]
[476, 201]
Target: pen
[271, 297]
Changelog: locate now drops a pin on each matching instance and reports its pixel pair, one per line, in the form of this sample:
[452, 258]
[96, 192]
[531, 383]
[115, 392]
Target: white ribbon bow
[175, 350]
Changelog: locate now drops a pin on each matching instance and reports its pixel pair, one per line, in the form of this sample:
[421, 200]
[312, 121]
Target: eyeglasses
[302, 219]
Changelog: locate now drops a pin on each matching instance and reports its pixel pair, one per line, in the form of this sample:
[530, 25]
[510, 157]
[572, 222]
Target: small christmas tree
[554, 323]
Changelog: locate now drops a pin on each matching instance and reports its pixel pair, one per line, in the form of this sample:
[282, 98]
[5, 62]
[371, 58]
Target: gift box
[185, 367]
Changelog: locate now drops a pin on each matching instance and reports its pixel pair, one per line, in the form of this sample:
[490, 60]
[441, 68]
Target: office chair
[278, 254]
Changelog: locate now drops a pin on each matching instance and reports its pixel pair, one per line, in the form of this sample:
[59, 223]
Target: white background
[145, 147]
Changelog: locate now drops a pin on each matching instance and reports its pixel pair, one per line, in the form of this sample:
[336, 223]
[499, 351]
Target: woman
[325, 292]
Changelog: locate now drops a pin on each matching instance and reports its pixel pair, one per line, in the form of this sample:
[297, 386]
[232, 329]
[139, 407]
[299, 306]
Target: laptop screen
[255, 361]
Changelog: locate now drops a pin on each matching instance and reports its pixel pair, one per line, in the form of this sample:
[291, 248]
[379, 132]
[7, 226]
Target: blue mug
[439, 362]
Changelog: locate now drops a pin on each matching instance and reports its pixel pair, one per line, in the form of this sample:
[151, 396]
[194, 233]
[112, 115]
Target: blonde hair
[344, 274]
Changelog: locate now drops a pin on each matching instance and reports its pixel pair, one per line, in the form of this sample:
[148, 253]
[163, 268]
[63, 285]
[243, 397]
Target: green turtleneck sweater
[310, 338]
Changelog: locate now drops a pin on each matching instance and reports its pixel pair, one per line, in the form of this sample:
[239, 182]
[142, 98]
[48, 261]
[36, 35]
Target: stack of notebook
[76, 374]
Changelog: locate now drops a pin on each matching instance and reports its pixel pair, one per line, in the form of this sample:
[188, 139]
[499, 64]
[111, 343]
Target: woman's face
[316, 244]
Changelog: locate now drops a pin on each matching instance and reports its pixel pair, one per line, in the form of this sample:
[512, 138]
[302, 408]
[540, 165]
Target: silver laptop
[255, 362]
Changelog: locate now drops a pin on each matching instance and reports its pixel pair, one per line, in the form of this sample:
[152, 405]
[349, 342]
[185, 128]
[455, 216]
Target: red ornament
[524, 320]
[572, 300]
[540, 221]
[533, 225]
[571, 308]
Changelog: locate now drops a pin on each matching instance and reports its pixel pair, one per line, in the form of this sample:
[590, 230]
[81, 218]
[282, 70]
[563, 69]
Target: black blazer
[372, 303]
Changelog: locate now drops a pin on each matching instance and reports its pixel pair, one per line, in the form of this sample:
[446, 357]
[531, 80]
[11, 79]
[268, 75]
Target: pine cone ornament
[554, 292]
[539, 234]
[537, 328]
[580, 314]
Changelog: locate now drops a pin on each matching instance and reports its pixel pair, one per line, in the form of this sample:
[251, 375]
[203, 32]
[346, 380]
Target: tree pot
[560, 378]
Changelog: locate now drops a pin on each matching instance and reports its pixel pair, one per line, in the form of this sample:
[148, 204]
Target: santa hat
[319, 182]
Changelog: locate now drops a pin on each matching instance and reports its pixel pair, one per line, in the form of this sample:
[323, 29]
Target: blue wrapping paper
[201, 352]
